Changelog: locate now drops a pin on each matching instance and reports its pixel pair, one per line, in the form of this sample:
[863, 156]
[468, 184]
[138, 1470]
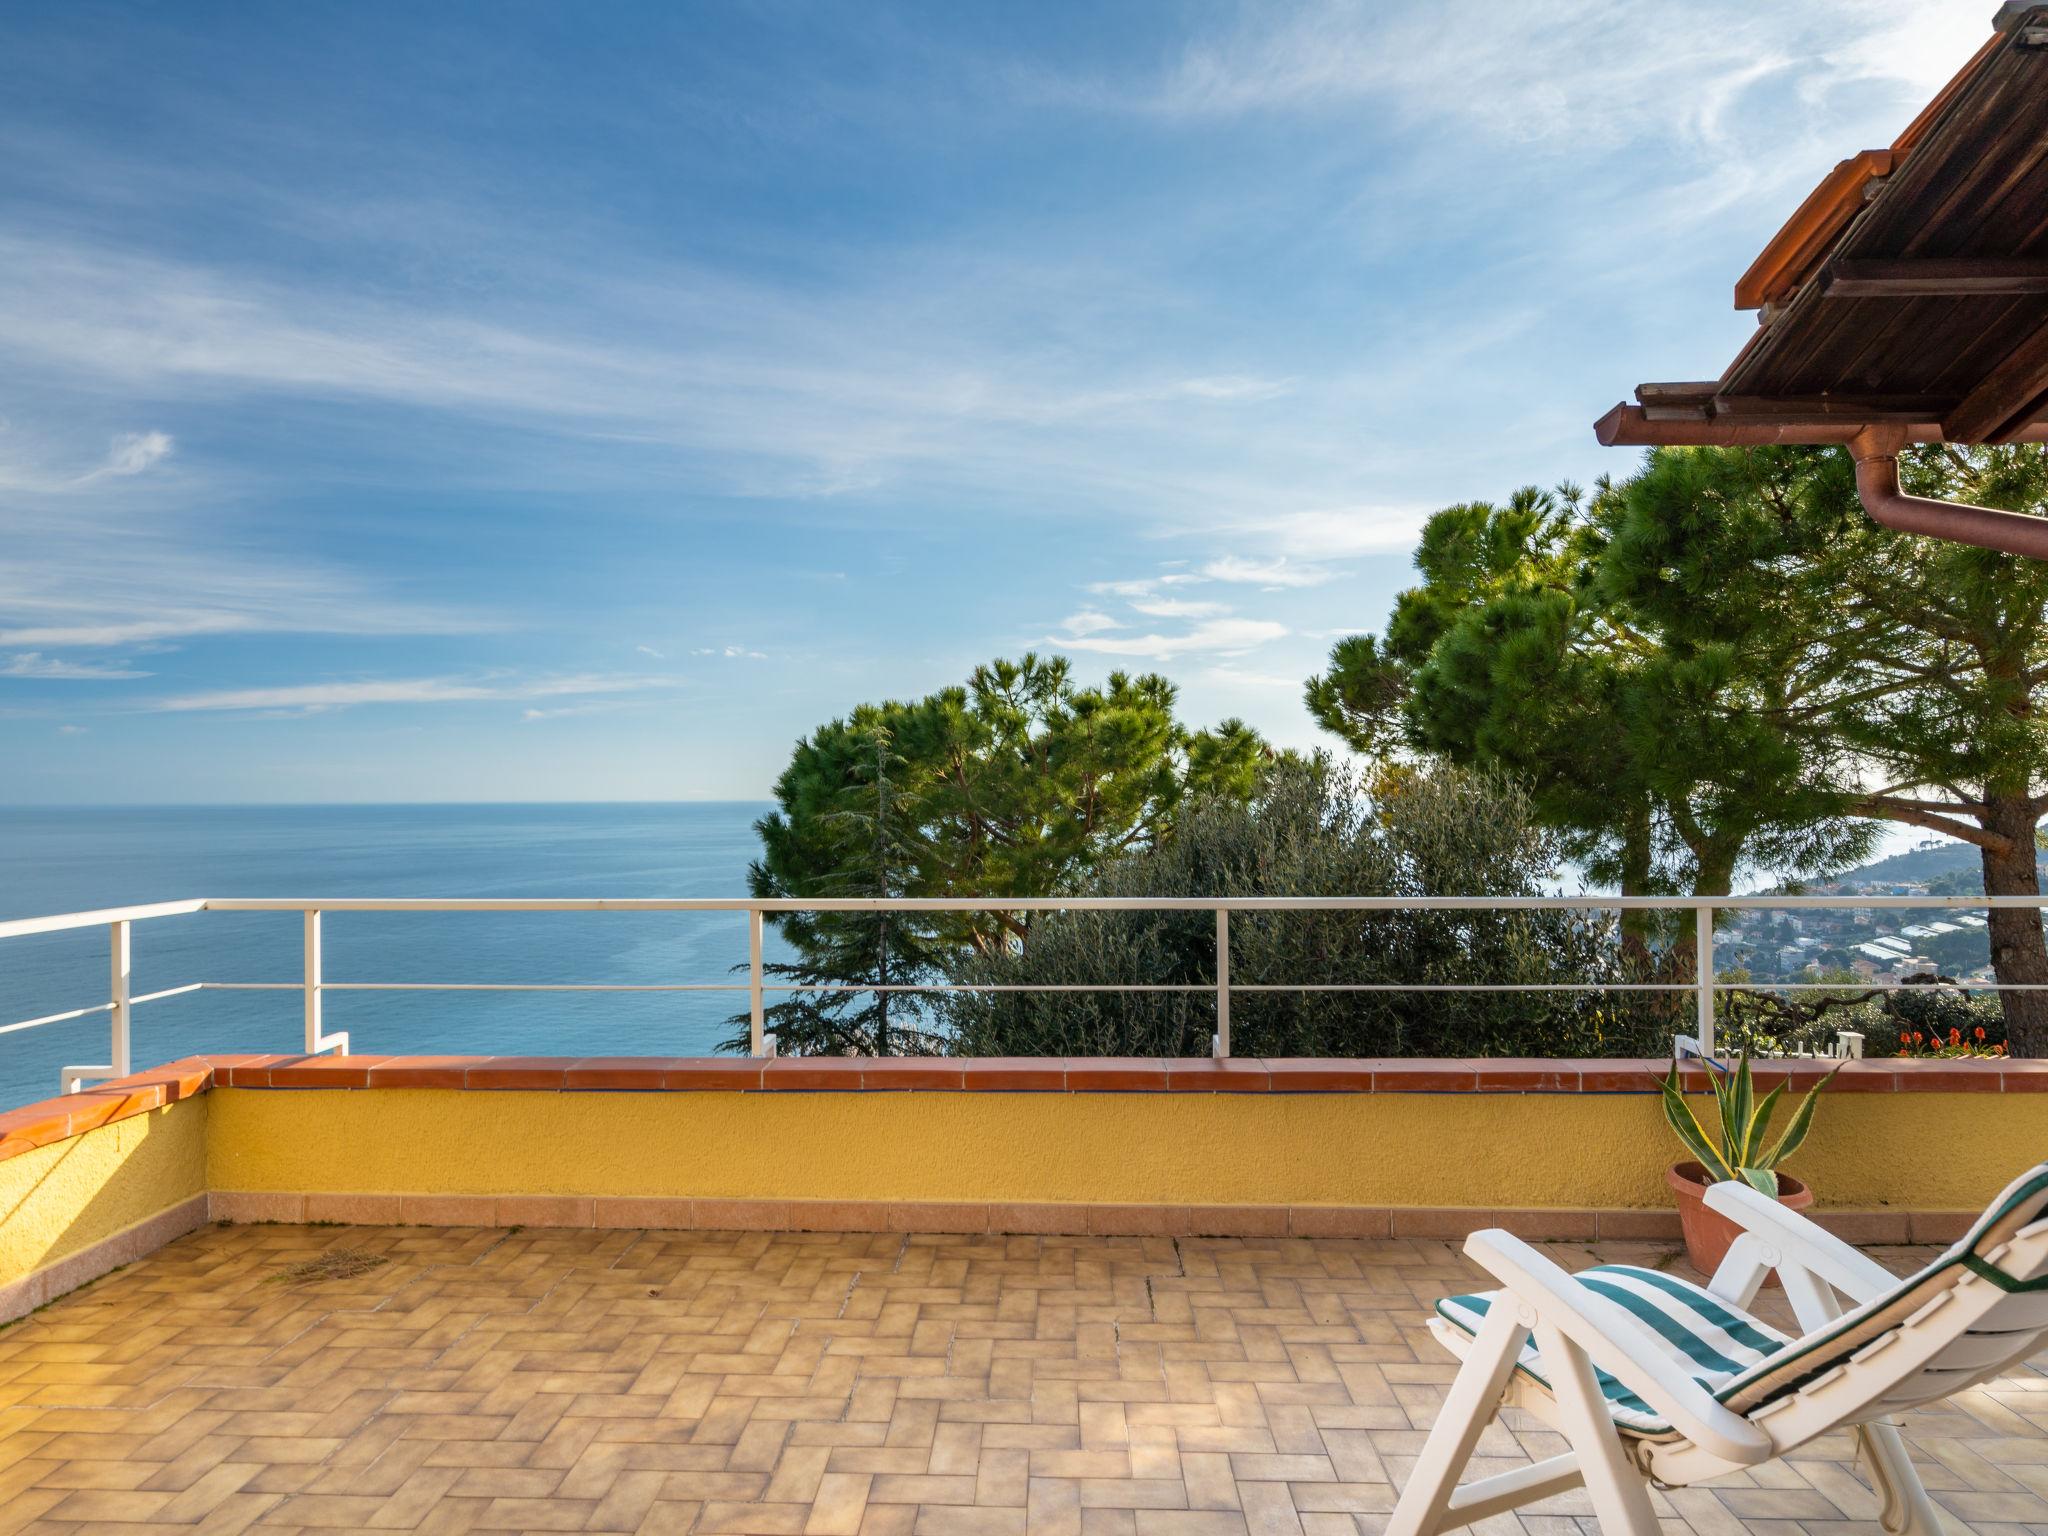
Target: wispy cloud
[1219, 636]
[100, 575]
[33, 664]
[731, 652]
[648, 650]
[795, 393]
[1176, 608]
[406, 690]
[1267, 573]
[1237, 677]
[1339, 533]
[574, 711]
[1547, 70]
[1089, 621]
[131, 454]
[1141, 586]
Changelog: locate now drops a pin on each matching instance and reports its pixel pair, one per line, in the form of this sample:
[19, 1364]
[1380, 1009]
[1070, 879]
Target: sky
[564, 402]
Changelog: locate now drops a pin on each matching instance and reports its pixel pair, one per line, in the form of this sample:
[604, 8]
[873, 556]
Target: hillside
[1937, 856]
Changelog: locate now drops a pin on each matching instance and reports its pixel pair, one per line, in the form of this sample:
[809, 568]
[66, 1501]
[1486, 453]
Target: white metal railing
[313, 984]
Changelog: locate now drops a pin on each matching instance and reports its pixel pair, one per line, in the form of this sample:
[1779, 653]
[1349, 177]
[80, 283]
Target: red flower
[1955, 1037]
[1980, 1034]
[1917, 1037]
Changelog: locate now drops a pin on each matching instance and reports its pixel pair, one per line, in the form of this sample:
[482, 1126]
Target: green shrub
[1317, 830]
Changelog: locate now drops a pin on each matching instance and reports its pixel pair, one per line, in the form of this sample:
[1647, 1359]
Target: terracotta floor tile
[847, 1383]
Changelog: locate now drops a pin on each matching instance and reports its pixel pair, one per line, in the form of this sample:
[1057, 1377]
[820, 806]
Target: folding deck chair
[1652, 1378]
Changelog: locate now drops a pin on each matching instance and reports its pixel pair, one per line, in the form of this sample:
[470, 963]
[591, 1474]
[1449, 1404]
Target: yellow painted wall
[71, 1194]
[1910, 1151]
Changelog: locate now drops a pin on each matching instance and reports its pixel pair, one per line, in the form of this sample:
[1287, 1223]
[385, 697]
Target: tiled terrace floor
[555, 1380]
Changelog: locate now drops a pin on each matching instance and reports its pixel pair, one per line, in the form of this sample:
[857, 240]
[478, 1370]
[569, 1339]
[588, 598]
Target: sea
[70, 859]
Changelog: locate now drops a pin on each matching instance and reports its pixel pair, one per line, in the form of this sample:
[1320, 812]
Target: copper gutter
[1876, 451]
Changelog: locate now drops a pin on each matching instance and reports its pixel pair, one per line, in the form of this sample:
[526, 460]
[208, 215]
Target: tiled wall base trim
[1866, 1227]
[23, 1296]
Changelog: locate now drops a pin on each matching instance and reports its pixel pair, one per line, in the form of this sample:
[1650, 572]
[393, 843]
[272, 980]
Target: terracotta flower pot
[1708, 1234]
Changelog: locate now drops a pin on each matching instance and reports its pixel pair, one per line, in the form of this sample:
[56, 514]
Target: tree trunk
[1636, 924]
[2018, 955]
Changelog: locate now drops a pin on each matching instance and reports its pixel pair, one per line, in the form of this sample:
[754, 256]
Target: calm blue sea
[72, 859]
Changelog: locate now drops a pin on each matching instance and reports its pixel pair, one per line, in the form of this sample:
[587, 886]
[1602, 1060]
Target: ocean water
[77, 859]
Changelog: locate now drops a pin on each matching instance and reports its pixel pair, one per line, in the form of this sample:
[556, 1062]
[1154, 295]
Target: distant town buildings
[1879, 945]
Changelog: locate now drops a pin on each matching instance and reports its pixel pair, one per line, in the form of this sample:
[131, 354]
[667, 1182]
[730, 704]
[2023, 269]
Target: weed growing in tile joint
[335, 1264]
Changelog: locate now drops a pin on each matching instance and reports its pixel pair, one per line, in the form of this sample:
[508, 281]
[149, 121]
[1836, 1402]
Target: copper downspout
[1876, 451]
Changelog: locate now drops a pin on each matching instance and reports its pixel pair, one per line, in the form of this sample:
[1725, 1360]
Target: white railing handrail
[1079, 903]
[17, 927]
[313, 985]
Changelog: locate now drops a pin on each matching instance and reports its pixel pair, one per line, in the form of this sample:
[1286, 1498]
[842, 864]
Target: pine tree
[1915, 671]
[1649, 753]
[1019, 784]
[849, 960]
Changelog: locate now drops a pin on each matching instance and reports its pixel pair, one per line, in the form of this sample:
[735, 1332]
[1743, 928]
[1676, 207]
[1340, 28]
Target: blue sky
[514, 401]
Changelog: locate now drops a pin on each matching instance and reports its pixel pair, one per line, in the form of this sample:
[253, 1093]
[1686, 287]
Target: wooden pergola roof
[1910, 290]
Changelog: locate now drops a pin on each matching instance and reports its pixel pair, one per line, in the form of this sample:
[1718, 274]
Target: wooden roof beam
[1934, 277]
[2006, 403]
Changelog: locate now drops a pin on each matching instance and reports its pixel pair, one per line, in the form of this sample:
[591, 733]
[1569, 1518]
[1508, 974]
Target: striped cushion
[2022, 1203]
[1747, 1364]
[1705, 1336]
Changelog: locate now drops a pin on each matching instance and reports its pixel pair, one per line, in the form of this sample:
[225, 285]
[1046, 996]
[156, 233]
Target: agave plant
[1744, 1124]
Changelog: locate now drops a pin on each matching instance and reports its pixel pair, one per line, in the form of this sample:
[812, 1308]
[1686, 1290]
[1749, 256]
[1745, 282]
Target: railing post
[756, 1013]
[317, 1040]
[1703, 962]
[118, 950]
[1221, 1044]
[312, 994]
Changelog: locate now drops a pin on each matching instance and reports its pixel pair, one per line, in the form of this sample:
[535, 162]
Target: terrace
[341, 1290]
[477, 1378]
[919, 1294]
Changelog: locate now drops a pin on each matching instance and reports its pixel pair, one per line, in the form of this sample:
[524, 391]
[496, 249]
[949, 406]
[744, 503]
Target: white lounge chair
[1650, 1377]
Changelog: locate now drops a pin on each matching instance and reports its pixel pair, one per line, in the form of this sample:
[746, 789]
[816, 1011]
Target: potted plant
[1740, 1154]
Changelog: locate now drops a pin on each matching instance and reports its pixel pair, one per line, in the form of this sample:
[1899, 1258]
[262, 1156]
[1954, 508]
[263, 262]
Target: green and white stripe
[1746, 1363]
[1704, 1336]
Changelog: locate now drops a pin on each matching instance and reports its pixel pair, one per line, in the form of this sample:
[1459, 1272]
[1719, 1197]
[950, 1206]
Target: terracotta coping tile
[1942, 1077]
[1115, 1074]
[33, 1125]
[247, 1071]
[1309, 1075]
[1014, 1074]
[519, 1072]
[424, 1071]
[920, 1072]
[725, 1073]
[1422, 1074]
[325, 1072]
[1526, 1074]
[632, 1073]
[814, 1074]
[1236, 1075]
[1619, 1074]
